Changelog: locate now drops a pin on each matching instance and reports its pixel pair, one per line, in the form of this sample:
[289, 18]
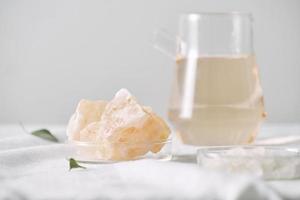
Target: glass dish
[92, 152]
[268, 162]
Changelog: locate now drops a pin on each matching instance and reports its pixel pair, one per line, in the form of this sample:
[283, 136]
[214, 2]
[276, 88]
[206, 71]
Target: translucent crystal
[124, 130]
[86, 113]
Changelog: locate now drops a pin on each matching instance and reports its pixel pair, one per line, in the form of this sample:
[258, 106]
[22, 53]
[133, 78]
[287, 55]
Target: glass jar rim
[217, 14]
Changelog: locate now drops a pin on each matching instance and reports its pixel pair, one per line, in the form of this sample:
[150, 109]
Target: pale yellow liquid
[217, 100]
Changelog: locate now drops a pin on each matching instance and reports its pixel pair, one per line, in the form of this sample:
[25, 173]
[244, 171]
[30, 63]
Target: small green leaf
[45, 134]
[73, 164]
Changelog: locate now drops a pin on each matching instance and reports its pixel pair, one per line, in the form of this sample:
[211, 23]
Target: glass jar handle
[167, 44]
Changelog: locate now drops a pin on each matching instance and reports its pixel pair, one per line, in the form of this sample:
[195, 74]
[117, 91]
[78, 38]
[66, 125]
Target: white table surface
[32, 168]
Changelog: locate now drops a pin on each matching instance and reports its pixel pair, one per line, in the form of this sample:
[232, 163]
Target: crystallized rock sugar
[86, 113]
[121, 128]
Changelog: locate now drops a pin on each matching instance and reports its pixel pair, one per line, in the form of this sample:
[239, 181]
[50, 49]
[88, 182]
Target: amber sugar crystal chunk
[121, 128]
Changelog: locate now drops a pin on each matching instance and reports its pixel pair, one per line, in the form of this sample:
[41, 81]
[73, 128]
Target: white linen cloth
[32, 168]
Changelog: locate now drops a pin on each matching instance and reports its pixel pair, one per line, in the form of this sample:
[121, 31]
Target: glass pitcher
[216, 96]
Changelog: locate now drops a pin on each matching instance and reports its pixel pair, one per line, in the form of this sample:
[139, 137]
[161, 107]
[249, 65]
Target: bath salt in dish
[268, 162]
[120, 129]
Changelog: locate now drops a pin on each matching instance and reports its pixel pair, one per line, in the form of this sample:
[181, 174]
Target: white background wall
[55, 52]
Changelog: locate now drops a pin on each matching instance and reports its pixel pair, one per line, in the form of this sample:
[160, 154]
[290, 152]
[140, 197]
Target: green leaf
[73, 164]
[45, 134]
